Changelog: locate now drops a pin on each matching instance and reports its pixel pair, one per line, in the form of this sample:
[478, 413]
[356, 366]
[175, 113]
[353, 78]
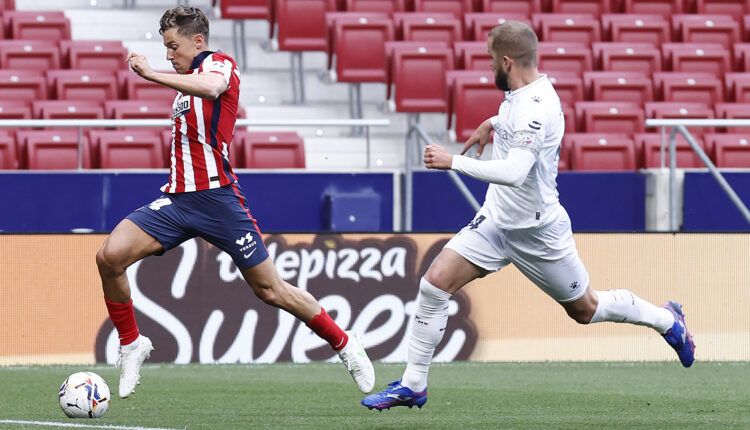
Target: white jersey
[530, 118]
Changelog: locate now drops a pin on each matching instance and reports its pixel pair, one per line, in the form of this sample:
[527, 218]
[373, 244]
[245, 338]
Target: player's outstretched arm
[204, 85]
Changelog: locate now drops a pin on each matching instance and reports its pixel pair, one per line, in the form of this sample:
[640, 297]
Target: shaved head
[515, 40]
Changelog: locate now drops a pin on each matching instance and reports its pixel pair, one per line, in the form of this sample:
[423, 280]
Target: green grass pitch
[461, 396]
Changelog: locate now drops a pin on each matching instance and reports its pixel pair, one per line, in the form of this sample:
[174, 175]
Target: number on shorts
[159, 203]
[478, 220]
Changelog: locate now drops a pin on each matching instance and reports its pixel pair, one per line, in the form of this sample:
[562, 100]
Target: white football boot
[358, 364]
[130, 365]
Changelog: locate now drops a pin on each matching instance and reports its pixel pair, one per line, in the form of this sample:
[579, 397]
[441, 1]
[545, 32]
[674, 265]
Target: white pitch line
[78, 426]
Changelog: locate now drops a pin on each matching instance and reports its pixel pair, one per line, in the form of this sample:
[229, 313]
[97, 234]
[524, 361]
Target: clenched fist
[140, 65]
[436, 157]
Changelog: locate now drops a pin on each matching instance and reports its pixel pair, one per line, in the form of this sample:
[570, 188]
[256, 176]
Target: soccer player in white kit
[521, 222]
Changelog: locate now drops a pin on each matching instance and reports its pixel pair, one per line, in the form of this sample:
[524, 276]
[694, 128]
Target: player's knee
[107, 261]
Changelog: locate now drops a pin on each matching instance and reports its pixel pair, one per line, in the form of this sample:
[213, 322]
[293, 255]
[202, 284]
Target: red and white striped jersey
[202, 130]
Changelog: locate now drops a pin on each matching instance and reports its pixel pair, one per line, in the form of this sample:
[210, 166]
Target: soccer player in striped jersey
[202, 198]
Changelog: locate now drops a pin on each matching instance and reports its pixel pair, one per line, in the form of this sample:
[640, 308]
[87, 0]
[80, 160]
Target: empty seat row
[145, 149]
[98, 85]
[34, 25]
[607, 151]
[270, 9]
[43, 55]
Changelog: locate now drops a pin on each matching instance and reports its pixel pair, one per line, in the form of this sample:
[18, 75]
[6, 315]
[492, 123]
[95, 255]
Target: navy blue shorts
[220, 216]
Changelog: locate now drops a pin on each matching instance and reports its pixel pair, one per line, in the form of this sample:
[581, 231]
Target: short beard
[501, 81]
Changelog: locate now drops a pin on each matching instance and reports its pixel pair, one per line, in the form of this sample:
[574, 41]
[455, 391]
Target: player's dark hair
[516, 40]
[188, 20]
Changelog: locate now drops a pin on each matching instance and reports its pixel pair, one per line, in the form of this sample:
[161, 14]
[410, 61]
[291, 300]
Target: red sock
[324, 326]
[123, 316]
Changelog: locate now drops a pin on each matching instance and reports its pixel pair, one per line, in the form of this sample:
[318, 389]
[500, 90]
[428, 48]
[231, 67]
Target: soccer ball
[84, 395]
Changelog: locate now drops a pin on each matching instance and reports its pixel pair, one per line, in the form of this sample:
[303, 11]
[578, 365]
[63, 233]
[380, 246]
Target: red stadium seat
[67, 109]
[592, 7]
[93, 55]
[478, 25]
[393, 46]
[274, 150]
[474, 98]
[138, 109]
[681, 110]
[354, 64]
[8, 153]
[733, 111]
[602, 152]
[335, 18]
[721, 29]
[29, 55]
[610, 117]
[575, 28]
[14, 109]
[38, 25]
[99, 85]
[7, 5]
[738, 87]
[568, 87]
[697, 57]
[382, 6]
[248, 9]
[419, 77]
[689, 87]
[22, 85]
[53, 149]
[137, 88]
[525, 7]
[435, 28]
[654, 7]
[472, 56]
[124, 149]
[723, 7]
[729, 150]
[456, 7]
[636, 28]
[651, 147]
[564, 57]
[302, 24]
[628, 57]
[619, 86]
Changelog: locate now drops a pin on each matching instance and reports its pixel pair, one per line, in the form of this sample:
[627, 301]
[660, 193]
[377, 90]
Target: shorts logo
[249, 254]
[475, 224]
[159, 203]
[246, 242]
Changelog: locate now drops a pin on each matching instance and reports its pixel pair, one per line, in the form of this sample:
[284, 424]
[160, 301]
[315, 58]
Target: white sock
[430, 319]
[132, 345]
[622, 306]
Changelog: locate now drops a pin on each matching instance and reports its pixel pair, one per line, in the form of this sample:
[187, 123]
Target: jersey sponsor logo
[181, 106]
[159, 203]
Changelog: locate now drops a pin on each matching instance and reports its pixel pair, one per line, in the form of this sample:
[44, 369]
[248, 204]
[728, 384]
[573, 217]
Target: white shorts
[546, 255]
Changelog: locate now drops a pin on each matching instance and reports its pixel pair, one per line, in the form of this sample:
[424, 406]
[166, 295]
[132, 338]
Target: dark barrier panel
[59, 202]
[708, 208]
[595, 201]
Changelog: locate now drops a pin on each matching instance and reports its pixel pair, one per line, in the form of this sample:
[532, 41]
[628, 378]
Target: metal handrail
[409, 169]
[81, 123]
[679, 126]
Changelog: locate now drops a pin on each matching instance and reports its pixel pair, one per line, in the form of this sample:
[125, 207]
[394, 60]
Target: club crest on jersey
[181, 106]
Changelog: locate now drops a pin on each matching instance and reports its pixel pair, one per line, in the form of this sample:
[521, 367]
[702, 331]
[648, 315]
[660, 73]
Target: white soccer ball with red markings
[84, 395]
